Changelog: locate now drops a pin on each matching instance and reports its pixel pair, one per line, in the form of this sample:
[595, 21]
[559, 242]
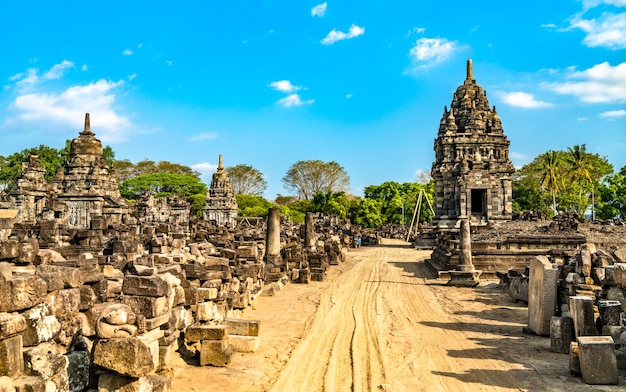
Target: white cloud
[50, 110]
[335, 35]
[127, 52]
[524, 100]
[548, 26]
[430, 51]
[285, 86]
[415, 30]
[348, 96]
[608, 30]
[600, 83]
[582, 118]
[613, 114]
[84, 67]
[205, 169]
[132, 77]
[594, 3]
[203, 136]
[294, 100]
[169, 63]
[319, 10]
[58, 70]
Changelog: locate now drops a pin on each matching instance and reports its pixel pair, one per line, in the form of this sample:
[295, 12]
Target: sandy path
[381, 322]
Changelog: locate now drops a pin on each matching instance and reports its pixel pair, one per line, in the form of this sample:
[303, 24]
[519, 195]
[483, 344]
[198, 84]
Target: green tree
[331, 203]
[246, 180]
[306, 178]
[570, 178]
[550, 172]
[367, 212]
[127, 170]
[613, 196]
[252, 205]
[398, 201]
[162, 185]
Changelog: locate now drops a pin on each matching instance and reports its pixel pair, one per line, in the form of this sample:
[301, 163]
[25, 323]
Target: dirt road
[381, 322]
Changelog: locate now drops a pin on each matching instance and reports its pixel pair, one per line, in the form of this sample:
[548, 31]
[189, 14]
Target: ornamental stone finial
[87, 129]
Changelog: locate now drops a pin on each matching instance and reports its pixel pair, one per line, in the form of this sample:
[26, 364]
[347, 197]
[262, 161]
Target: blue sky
[268, 83]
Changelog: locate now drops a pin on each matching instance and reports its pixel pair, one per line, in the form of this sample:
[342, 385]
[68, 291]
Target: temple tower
[86, 187]
[472, 170]
[220, 204]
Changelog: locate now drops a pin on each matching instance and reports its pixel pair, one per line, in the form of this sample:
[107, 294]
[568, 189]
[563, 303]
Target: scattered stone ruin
[580, 302]
[97, 294]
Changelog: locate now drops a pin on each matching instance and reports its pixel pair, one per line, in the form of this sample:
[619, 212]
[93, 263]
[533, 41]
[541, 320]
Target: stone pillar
[272, 251]
[465, 244]
[581, 308]
[465, 275]
[542, 290]
[309, 232]
[561, 334]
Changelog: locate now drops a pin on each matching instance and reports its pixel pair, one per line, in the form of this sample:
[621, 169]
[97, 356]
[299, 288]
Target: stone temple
[472, 170]
[220, 205]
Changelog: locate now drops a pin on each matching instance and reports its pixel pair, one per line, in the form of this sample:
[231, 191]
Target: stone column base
[464, 278]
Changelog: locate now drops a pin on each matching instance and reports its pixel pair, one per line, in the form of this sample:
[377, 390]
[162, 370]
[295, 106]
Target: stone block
[115, 383]
[11, 324]
[199, 332]
[71, 277]
[149, 307]
[206, 294]
[581, 309]
[46, 360]
[598, 364]
[41, 326]
[126, 356]
[78, 369]
[28, 384]
[88, 298]
[215, 353]
[609, 313]
[153, 286]
[542, 295]
[168, 353]
[243, 327]
[21, 292]
[244, 344]
[207, 311]
[64, 304]
[156, 322]
[561, 334]
[620, 274]
[11, 358]
[9, 249]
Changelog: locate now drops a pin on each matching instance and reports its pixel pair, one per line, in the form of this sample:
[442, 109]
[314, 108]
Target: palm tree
[581, 167]
[549, 171]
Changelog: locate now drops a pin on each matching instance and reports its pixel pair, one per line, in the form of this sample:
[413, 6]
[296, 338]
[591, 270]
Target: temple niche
[220, 204]
[86, 189]
[472, 170]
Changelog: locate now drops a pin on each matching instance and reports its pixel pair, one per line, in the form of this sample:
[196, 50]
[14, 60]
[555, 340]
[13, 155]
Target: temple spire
[220, 166]
[470, 72]
[87, 129]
